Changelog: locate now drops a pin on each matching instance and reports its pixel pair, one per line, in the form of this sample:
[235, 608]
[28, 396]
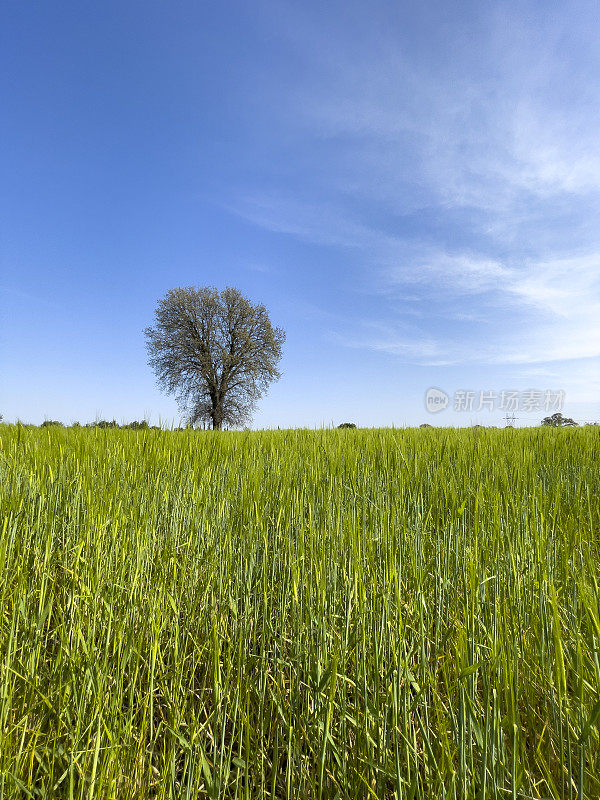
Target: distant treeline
[103, 423]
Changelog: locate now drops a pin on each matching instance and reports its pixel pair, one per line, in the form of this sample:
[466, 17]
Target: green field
[299, 614]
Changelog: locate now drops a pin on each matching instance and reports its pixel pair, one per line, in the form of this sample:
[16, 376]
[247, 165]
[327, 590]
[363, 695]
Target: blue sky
[412, 189]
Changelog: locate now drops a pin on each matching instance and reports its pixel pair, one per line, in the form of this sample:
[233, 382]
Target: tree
[216, 351]
[558, 421]
[347, 425]
[137, 425]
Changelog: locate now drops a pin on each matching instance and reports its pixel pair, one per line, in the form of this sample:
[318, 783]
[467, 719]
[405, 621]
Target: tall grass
[309, 614]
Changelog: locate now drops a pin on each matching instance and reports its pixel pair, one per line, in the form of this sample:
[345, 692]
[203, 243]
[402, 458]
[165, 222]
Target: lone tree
[216, 351]
[558, 421]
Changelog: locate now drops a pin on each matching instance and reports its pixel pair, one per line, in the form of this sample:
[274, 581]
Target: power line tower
[510, 420]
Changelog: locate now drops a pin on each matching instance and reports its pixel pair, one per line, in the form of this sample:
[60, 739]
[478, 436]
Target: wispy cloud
[510, 107]
[552, 304]
[462, 175]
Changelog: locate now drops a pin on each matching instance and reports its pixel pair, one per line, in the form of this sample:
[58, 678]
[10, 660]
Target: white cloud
[512, 109]
[553, 303]
[502, 128]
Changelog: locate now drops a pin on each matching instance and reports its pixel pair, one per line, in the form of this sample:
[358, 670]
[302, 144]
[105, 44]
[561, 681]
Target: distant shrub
[47, 423]
[558, 421]
[425, 425]
[347, 425]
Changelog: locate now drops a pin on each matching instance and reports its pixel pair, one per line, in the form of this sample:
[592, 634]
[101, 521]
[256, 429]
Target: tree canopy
[215, 351]
[558, 421]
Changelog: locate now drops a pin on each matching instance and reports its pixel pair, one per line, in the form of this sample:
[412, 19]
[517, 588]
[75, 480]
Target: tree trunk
[217, 416]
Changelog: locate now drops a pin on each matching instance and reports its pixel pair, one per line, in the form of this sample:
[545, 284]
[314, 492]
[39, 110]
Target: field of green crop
[299, 614]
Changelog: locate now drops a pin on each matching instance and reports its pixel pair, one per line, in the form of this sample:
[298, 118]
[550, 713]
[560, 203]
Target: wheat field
[299, 614]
